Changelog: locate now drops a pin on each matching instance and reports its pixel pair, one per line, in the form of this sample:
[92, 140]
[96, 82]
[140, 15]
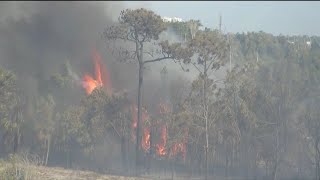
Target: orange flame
[134, 114]
[145, 143]
[101, 79]
[89, 83]
[180, 147]
[146, 139]
[161, 148]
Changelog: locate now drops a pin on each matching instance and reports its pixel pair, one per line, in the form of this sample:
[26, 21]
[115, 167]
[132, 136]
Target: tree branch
[157, 59]
[196, 67]
[150, 54]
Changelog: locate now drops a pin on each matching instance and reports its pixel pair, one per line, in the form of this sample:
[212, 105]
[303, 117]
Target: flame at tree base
[145, 142]
[101, 79]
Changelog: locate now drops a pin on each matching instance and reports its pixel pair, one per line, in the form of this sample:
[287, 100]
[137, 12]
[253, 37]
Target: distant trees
[185, 30]
[11, 107]
[250, 122]
[310, 119]
[210, 49]
[45, 120]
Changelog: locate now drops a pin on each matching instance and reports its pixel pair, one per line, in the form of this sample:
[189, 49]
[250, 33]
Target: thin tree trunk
[48, 150]
[16, 141]
[124, 154]
[274, 172]
[206, 117]
[172, 169]
[232, 156]
[227, 166]
[317, 159]
[138, 139]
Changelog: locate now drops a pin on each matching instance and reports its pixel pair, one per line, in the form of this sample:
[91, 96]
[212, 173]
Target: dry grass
[27, 167]
[57, 173]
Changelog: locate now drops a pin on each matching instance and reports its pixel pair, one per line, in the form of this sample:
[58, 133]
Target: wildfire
[145, 143]
[161, 148]
[146, 139]
[180, 147]
[102, 77]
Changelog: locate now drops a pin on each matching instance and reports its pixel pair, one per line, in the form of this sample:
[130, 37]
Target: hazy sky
[285, 17]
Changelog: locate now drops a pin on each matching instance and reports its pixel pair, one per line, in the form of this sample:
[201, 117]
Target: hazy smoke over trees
[37, 37]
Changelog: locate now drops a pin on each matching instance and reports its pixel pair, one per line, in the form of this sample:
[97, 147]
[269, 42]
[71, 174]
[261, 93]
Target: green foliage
[210, 48]
[273, 83]
[137, 25]
[7, 98]
[11, 107]
[87, 124]
[64, 78]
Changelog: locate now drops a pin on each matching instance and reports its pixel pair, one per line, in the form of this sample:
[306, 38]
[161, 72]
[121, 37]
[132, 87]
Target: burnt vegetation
[260, 120]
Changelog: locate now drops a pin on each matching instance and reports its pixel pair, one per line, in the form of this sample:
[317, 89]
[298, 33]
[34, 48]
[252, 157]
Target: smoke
[37, 37]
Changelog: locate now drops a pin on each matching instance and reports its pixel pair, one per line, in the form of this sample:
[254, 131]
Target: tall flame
[161, 147]
[181, 146]
[101, 79]
[145, 143]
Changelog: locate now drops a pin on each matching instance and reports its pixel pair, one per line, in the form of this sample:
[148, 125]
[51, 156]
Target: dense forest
[260, 121]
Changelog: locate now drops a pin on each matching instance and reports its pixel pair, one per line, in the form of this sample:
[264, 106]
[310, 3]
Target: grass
[27, 167]
[17, 167]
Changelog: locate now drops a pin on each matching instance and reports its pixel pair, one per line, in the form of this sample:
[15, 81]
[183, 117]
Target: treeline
[260, 120]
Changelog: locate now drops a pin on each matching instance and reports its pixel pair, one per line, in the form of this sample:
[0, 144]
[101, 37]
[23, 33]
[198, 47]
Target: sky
[276, 17]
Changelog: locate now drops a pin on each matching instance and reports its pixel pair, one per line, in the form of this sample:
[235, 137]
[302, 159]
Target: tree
[71, 132]
[193, 26]
[210, 49]
[310, 119]
[239, 98]
[45, 123]
[11, 106]
[142, 27]
[117, 113]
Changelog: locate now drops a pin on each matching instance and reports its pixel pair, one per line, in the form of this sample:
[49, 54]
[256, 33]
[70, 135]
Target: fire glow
[102, 77]
[145, 143]
[161, 151]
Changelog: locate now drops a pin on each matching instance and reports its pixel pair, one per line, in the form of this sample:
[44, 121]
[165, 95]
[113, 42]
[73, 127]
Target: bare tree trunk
[232, 156]
[141, 66]
[206, 117]
[16, 141]
[172, 169]
[317, 159]
[274, 171]
[227, 166]
[277, 156]
[124, 153]
[48, 150]
[18, 120]
[255, 165]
